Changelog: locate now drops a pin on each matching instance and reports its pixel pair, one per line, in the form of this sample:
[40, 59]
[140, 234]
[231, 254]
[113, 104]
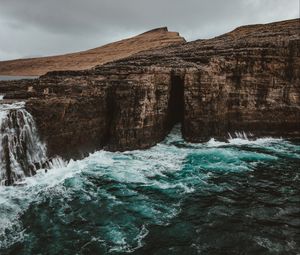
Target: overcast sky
[31, 28]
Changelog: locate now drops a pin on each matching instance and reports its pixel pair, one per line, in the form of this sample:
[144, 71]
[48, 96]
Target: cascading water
[21, 151]
[240, 135]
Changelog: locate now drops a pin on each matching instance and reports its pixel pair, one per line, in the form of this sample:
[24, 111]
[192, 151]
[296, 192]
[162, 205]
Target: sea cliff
[247, 80]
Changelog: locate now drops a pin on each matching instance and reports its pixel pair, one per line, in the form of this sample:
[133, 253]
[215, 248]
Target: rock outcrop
[156, 38]
[246, 80]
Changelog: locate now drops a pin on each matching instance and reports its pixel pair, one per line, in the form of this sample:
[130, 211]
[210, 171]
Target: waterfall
[240, 135]
[21, 151]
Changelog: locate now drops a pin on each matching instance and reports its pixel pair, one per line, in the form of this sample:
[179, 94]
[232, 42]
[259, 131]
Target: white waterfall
[21, 151]
[240, 135]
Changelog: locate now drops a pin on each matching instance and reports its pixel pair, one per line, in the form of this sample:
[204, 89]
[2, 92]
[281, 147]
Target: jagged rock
[246, 80]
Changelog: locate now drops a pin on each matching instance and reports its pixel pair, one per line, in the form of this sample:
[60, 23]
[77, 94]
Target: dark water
[13, 77]
[241, 197]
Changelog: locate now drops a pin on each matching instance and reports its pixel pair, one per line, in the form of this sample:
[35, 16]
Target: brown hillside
[155, 38]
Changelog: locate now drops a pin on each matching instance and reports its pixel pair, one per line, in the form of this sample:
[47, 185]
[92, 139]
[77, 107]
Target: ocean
[235, 197]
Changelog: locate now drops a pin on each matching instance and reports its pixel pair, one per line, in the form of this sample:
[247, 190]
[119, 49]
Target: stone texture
[77, 114]
[246, 80]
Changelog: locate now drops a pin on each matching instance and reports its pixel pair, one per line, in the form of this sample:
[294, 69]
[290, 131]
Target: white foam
[140, 167]
[258, 141]
[214, 143]
[244, 141]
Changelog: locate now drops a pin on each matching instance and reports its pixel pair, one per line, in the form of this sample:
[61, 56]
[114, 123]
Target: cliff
[156, 38]
[246, 80]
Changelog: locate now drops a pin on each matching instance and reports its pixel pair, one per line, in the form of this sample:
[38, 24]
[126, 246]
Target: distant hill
[155, 38]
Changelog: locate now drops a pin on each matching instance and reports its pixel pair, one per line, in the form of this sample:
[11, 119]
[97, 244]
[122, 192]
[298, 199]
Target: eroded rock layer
[246, 80]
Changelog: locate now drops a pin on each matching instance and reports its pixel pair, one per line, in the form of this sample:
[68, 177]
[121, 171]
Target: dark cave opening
[110, 115]
[176, 101]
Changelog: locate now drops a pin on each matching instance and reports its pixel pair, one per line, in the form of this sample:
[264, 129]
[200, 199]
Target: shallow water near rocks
[240, 197]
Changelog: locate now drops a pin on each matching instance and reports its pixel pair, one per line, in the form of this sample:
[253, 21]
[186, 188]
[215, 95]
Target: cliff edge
[247, 80]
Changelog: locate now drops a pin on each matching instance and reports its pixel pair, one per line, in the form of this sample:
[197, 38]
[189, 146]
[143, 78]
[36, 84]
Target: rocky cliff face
[246, 80]
[79, 113]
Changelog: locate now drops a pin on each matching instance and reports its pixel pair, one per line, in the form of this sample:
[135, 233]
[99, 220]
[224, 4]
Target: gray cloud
[46, 27]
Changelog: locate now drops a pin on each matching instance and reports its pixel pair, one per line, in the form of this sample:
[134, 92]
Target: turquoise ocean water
[239, 197]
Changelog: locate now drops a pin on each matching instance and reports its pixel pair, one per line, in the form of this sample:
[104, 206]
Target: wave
[131, 189]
